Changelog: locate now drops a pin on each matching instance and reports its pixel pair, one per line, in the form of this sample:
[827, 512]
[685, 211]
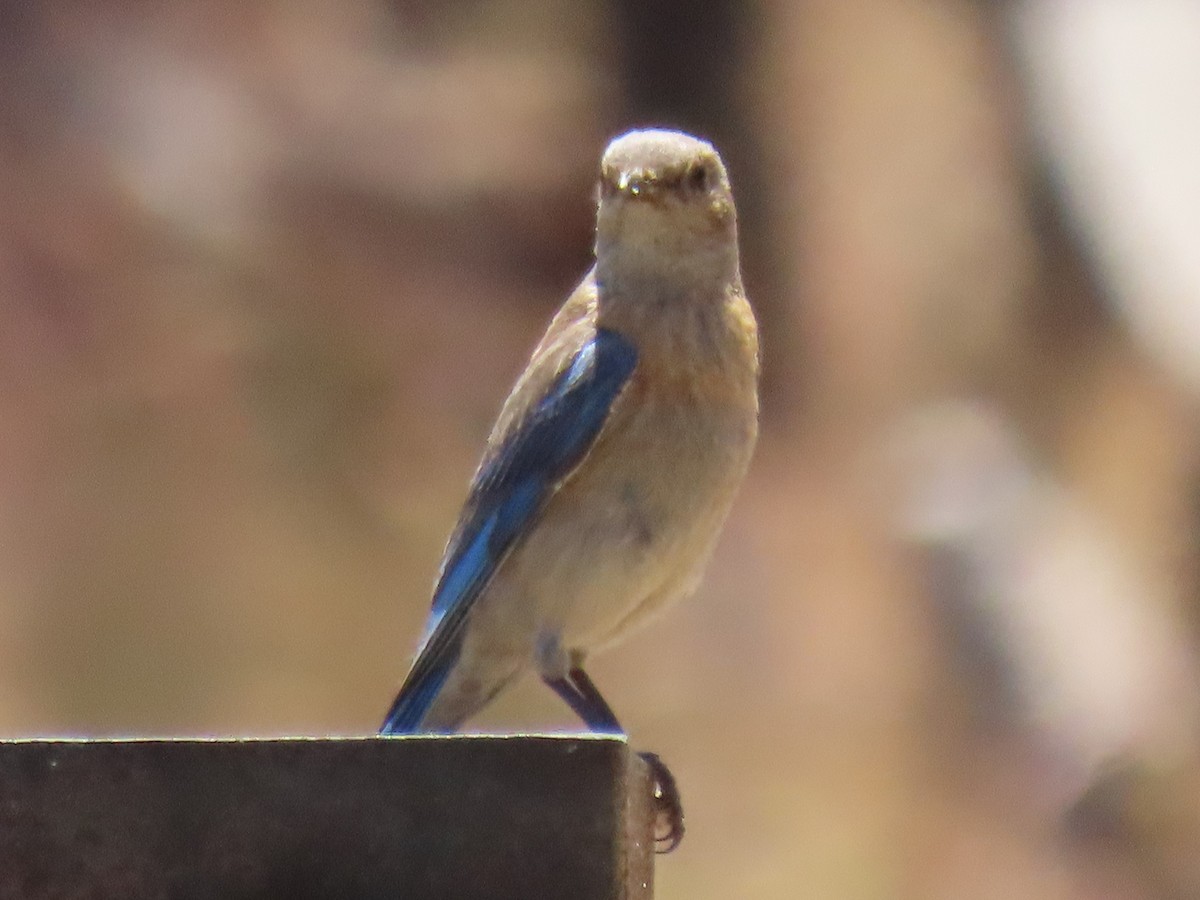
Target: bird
[615, 460]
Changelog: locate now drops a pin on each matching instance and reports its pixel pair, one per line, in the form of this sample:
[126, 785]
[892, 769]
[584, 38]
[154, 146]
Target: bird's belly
[635, 526]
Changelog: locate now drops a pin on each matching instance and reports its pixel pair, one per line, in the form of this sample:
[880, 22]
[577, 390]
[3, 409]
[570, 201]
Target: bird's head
[664, 196]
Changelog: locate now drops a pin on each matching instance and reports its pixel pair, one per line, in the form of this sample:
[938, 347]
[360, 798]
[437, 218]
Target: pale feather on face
[661, 192]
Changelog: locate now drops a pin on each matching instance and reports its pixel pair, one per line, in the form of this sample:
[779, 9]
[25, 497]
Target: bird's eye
[697, 177]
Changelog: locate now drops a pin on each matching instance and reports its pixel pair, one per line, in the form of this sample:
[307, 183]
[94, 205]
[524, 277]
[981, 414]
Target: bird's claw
[668, 810]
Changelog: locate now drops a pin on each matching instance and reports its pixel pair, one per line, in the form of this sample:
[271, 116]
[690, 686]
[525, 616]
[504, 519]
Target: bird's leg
[668, 808]
[581, 694]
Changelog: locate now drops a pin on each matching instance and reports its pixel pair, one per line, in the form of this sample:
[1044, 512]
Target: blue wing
[506, 497]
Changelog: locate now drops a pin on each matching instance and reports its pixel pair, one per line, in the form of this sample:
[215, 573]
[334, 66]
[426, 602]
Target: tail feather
[415, 697]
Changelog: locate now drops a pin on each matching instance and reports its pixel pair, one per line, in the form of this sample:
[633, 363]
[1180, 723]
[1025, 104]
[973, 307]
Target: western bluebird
[615, 459]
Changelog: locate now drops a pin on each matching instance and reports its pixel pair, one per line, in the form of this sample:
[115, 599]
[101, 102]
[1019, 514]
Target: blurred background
[267, 271]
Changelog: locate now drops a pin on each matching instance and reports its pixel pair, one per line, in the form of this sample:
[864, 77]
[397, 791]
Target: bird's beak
[635, 184]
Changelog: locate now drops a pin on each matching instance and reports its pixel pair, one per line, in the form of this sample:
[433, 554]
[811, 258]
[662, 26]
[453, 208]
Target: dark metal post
[413, 817]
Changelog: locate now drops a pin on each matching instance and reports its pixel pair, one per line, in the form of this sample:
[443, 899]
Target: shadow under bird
[614, 461]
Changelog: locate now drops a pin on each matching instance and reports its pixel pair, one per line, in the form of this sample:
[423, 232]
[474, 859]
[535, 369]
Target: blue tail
[415, 698]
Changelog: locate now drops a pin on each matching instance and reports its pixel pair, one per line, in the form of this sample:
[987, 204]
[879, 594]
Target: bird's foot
[668, 810]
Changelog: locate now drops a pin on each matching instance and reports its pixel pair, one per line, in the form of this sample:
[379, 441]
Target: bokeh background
[268, 269]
